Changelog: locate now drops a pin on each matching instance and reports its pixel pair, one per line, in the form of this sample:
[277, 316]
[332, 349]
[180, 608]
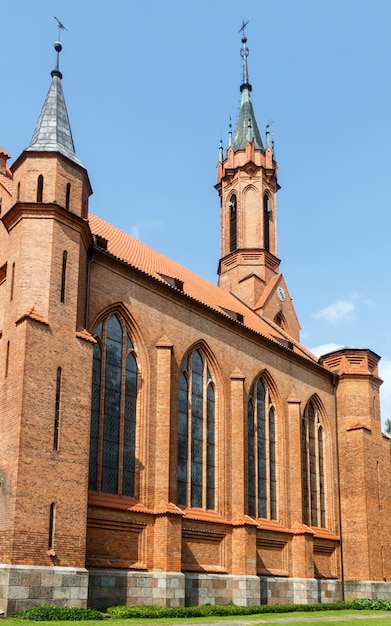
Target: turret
[247, 185]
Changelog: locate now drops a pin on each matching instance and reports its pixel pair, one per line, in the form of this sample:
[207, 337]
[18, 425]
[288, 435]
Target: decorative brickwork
[168, 441]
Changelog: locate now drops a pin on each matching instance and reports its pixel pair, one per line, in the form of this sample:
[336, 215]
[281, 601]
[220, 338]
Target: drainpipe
[335, 385]
[91, 259]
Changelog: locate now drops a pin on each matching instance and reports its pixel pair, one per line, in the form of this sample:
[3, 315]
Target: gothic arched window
[312, 462]
[113, 410]
[266, 222]
[261, 452]
[196, 434]
[232, 223]
[40, 188]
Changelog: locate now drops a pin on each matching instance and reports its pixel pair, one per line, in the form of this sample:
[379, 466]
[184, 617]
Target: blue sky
[150, 87]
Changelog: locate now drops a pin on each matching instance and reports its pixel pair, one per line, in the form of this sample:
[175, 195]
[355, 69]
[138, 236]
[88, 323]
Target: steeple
[247, 185]
[53, 132]
[247, 127]
[48, 171]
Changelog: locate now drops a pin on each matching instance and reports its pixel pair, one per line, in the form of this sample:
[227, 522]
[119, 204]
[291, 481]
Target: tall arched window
[196, 434]
[261, 452]
[113, 410]
[67, 195]
[63, 275]
[266, 222]
[57, 410]
[232, 223]
[312, 461]
[40, 188]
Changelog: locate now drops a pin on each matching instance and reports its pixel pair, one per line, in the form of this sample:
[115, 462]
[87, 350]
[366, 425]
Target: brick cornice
[34, 210]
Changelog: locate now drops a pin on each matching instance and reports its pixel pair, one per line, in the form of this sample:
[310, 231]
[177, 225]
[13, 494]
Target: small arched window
[113, 410]
[52, 512]
[63, 275]
[261, 452]
[40, 188]
[68, 195]
[57, 410]
[232, 223]
[312, 462]
[196, 434]
[280, 321]
[266, 222]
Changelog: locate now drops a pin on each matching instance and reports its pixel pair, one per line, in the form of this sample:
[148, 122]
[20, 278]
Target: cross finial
[60, 27]
[244, 24]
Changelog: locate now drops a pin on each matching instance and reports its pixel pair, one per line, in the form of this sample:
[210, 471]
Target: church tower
[45, 360]
[247, 185]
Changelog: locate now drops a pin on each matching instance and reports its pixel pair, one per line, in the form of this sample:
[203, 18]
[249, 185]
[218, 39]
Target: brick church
[165, 440]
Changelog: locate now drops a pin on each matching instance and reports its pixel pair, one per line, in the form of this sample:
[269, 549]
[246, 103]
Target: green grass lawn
[315, 618]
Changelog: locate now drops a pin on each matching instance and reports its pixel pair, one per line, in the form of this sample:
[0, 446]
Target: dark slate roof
[247, 127]
[53, 132]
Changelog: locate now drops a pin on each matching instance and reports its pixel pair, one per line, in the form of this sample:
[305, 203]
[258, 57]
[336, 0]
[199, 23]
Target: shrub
[45, 612]
[206, 610]
[376, 605]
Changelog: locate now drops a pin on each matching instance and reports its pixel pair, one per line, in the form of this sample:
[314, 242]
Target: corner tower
[247, 185]
[45, 365]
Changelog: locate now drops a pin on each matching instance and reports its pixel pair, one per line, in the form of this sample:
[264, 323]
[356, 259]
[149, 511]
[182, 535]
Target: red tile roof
[135, 253]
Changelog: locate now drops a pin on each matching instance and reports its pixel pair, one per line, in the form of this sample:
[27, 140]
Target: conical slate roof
[53, 132]
[247, 127]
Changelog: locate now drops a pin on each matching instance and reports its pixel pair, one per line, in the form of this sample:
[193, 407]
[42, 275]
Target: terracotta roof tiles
[135, 253]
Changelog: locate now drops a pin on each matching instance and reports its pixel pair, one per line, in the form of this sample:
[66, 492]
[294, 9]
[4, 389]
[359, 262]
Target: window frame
[197, 433]
[114, 410]
[262, 429]
[313, 464]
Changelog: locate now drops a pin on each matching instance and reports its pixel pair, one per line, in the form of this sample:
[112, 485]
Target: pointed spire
[230, 134]
[246, 113]
[53, 132]
[221, 151]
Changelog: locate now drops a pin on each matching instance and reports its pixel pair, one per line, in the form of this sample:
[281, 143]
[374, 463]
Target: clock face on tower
[280, 294]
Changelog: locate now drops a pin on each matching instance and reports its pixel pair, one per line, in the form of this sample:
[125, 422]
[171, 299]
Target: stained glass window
[261, 453]
[113, 410]
[196, 434]
[312, 462]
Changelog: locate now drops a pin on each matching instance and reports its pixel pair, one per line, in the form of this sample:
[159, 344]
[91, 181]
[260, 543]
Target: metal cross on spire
[244, 24]
[244, 52]
[60, 27]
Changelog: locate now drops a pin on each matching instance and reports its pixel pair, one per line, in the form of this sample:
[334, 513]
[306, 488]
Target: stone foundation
[367, 589]
[218, 589]
[25, 586]
[299, 590]
[111, 587]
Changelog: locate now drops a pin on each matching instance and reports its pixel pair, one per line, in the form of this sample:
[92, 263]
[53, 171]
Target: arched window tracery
[113, 409]
[261, 452]
[313, 467]
[196, 475]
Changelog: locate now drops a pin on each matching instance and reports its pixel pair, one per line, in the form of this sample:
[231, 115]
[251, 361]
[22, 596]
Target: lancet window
[196, 434]
[232, 223]
[261, 452]
[312, 461]
[113, 410]
[266, 222]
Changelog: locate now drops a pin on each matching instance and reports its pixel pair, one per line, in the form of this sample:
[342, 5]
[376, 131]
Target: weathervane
[244, 52]
[244, 24]
[60, 27]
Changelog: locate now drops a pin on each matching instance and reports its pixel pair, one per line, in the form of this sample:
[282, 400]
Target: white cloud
[324, 348]
[135, 232]
[336, 312]
[385, 389]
